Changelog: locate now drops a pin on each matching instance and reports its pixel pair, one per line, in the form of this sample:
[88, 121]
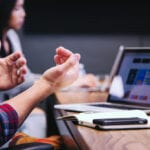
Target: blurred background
[94, 29]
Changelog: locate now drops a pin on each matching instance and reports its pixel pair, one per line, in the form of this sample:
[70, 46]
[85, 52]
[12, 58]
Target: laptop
[130, 86]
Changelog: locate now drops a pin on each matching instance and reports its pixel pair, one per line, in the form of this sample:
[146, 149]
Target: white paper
[89, 116]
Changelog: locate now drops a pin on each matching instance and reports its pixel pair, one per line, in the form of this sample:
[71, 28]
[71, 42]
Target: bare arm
[65, 73]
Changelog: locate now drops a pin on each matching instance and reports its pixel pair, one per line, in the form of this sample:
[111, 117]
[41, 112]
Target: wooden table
[86, 138]
[80, 97]
[115, 140]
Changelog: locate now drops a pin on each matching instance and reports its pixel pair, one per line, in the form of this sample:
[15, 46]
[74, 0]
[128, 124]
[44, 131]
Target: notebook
[130, 87]
[128, 119]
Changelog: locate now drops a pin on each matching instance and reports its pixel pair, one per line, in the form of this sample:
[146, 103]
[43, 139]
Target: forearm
[63, 74]
[26, 101]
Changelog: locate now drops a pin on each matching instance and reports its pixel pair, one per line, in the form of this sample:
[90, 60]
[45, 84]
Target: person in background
[12, 16]
[14, 111]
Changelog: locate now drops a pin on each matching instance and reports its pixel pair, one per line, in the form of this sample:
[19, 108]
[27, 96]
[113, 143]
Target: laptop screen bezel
[116, 67]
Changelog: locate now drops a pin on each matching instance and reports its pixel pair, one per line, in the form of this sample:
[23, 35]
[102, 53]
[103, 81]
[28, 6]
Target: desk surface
[115, 140]
[81, 97]
[86, 138]
[92, 139]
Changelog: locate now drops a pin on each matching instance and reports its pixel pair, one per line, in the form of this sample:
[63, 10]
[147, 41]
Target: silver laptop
[130, 87]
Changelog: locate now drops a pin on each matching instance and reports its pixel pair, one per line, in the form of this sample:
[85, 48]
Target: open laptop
[130, 87]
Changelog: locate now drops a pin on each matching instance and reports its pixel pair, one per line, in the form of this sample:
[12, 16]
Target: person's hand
[65, 72]
[12, 71]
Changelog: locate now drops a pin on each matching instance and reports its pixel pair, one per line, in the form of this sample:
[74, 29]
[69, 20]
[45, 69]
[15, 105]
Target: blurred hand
[65, 72]
[12, 71]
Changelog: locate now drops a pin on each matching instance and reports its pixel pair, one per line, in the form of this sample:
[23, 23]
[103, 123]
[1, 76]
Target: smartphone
[120, 121]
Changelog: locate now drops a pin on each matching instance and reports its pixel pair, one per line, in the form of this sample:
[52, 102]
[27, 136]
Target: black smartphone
[120, 121]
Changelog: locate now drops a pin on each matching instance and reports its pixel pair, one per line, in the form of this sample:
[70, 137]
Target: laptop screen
[131, 83]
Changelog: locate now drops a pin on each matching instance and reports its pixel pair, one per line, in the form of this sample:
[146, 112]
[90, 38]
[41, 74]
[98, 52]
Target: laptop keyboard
[117, 106]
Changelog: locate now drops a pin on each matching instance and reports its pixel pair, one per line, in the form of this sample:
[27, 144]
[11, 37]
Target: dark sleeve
[8, 123]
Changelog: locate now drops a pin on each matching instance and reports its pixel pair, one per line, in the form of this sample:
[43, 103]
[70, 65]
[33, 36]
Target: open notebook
[127, 119]
[130, 88]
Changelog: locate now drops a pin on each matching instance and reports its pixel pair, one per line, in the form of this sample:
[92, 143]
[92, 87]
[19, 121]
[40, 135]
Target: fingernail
[77, 55]
[61, 47]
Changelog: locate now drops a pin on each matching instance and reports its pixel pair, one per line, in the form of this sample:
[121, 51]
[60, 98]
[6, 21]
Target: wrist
[44, 87]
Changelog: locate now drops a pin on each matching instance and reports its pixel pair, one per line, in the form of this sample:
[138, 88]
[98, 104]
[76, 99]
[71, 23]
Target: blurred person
[12, 16]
